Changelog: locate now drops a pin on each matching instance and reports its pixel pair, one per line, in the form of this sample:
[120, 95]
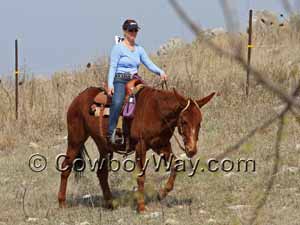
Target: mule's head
[189, 121]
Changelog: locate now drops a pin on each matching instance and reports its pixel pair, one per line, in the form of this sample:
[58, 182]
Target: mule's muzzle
[190, 152]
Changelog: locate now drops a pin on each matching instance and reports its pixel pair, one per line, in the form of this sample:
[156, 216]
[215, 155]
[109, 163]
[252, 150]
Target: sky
[58, 35]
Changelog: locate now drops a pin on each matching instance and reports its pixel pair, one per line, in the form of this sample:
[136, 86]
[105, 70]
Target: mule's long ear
[181, 99]
[205, 100]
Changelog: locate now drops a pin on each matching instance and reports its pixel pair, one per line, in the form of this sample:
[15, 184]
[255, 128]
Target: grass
[206, 198]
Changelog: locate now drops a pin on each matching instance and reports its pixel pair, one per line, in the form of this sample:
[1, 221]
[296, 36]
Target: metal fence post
[250, 46]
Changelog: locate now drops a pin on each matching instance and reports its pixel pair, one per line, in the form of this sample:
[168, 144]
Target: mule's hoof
[111, 204]
[141, 208]
[62, 205]
[161, 194]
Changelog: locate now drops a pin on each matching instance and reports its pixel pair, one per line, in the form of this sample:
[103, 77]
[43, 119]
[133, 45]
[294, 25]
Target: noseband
[179, 124]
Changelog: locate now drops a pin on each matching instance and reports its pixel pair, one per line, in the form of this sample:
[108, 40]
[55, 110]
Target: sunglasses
[132, 30]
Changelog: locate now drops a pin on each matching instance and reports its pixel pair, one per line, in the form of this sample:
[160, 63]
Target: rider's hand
[110, 91]
[163, 76]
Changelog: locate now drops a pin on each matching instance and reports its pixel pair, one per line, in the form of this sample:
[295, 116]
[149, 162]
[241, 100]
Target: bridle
[179, 124]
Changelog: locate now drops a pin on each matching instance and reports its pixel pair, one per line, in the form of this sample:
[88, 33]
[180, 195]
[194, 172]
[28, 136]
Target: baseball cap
[130, 25]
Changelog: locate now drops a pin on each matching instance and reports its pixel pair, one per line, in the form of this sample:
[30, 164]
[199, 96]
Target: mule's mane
[160, 92]
[166, 95]
[167, 102]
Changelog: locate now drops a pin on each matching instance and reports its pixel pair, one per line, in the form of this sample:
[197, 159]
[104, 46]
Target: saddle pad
[95, 110]
[102, 99]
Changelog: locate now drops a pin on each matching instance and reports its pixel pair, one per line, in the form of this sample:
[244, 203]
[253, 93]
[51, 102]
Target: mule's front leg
[166, 152]
[140, 161]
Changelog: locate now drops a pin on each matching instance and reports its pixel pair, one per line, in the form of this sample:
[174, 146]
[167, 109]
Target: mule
[157, 114]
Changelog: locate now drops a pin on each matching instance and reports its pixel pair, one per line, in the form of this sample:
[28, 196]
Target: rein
[176, 138]
[164, 84]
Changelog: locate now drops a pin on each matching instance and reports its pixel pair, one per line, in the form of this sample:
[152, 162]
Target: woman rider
[125, 59]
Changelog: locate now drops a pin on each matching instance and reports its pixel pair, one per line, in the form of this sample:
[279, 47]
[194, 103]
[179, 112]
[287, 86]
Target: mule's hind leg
[166, 151]
[76, 138]
[72, 152]
[102, 172]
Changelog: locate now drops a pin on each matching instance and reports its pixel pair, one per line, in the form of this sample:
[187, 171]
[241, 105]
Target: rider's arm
[114, 59]
[148, 63]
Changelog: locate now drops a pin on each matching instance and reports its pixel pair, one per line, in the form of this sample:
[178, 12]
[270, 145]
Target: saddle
[101, 105]
[132, 87]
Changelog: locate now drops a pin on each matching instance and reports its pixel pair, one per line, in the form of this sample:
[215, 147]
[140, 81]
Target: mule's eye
[184, 123]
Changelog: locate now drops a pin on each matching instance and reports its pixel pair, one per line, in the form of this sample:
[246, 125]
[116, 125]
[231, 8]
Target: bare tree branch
[297, 6]
[270, 183]
[233, 26]
[230, 13]
[23, 203]
[287, 6]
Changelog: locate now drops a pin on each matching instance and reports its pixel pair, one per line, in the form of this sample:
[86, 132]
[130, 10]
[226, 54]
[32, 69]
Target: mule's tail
[80, 163]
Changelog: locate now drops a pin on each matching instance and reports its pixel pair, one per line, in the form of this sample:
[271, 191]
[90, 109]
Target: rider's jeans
[117, 102]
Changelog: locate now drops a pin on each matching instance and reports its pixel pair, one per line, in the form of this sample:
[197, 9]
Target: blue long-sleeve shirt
[123, 60]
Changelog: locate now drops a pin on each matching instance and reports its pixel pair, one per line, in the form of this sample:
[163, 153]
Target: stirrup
[117, 140]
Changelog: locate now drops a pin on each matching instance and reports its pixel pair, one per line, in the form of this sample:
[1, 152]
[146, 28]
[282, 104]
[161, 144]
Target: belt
[124, 75]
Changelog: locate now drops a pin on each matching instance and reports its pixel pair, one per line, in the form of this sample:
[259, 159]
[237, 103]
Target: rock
[291, 169]
[32, 219]
[279, 109]
[33, 145]
[202, 211]
[293, 189]
[238, 207]
[63, 138]
[297, 146]
[86, 196]
[152, 215]
[214, 32]
[171, 222]
[218, 31]
[85, 223]
[121, 221]
[167, 173]
[135, 188]
[264, 19]
[229, 174]
[171, 44]
[183, 157]
[4, 180]
[210, 221]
